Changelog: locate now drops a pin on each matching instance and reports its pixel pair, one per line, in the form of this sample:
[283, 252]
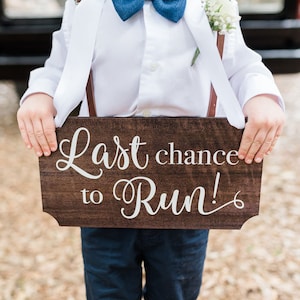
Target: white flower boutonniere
[222, 16]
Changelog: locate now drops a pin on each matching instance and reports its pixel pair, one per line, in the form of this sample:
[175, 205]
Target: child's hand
[36, 124]
[264, 126]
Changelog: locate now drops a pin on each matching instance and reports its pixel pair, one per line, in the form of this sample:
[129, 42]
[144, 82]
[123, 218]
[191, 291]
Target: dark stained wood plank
[149, 173]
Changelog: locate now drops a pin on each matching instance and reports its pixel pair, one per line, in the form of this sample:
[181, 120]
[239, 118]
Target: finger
[273, 145]
[277, 135]
[255, 147]
[272, 139]
[246, 142]
[262, 144]
[49, 132]
[40, 138]
[265, 146]
[23, 132]
[33, 140]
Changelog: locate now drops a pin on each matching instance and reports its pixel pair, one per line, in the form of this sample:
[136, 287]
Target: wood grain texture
[164, 173]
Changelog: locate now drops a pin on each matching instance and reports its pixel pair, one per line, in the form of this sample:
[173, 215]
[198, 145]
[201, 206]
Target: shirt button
[153, 67]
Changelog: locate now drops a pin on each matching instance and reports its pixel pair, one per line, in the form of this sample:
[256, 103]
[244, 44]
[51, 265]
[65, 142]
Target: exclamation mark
[216, 187]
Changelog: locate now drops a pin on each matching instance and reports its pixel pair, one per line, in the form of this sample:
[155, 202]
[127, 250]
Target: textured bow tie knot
[173, 10]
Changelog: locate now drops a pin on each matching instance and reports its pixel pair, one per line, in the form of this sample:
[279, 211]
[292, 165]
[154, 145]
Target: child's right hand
[36, 123]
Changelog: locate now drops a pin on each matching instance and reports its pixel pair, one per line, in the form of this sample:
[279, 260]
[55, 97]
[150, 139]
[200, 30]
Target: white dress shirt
[142, 67]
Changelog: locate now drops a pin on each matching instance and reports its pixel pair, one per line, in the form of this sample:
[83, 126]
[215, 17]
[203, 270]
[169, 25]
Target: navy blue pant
[173, 262]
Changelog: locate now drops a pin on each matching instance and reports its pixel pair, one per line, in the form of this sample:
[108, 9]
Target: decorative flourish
[222, 17]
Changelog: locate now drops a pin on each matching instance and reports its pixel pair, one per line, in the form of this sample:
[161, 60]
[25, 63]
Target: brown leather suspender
[91, 96]
[211, 112]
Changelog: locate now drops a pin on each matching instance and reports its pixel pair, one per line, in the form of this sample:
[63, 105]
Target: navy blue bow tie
[170, 9]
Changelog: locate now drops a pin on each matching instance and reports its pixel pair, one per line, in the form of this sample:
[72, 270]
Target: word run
[130, 192]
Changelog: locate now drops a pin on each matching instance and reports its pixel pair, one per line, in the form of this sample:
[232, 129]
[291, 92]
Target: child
[140, 54]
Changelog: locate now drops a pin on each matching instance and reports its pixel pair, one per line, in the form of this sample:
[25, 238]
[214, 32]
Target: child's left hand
[265, 123]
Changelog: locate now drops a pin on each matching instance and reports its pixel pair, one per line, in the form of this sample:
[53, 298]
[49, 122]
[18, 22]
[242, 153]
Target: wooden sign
[149, 173]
